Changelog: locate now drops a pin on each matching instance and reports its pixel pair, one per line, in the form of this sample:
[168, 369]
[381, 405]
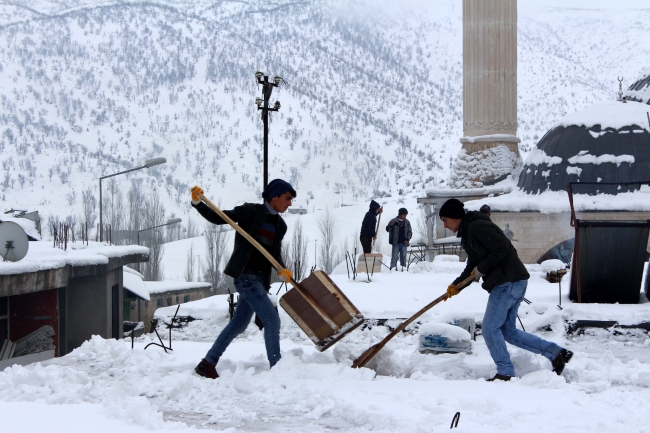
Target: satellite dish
[13, 242]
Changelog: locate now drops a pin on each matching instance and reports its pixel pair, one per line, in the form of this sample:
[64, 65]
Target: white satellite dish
[13, 242]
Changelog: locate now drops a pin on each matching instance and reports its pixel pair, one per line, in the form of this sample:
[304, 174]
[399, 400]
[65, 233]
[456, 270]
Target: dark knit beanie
[277, 187]
[453, 208]
[402, 211]
[485, 209]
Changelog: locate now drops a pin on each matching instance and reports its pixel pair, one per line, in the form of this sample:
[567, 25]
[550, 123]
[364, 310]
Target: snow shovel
[370, 353]
[321, 310]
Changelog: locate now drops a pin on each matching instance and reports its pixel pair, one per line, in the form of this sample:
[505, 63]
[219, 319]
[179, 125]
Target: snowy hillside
[372, 106]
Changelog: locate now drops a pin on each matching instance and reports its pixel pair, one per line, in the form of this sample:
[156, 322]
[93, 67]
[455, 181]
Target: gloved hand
[451, 291]
[285, 274]
[477, 274]
[195, 194]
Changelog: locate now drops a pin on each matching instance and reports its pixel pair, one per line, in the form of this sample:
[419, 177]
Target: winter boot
[499, 377]
[206, 369]
[561, 360]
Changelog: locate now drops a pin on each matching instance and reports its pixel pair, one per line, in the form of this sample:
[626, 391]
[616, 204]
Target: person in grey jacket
[250, 269]
[399, 235]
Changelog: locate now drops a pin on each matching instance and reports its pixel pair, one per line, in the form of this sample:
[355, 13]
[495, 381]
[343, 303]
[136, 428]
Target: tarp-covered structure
[608, 257]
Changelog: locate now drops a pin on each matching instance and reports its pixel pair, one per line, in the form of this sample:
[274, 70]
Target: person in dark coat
[369, 227]
[250, 269]
[399, 235]
[491, 256]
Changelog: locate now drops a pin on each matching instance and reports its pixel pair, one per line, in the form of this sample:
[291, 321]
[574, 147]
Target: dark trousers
[366, 244]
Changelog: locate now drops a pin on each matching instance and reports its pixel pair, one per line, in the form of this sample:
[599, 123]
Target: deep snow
[108, 385]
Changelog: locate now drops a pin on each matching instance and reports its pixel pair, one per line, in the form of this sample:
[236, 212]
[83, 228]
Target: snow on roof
[28, 225]
[132, 281]
[42, 255]
[504, 186]
[640, 89]
[558, 201]
[155, 287]
[611, 114]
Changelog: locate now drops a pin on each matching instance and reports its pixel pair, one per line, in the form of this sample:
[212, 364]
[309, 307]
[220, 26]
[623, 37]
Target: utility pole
[263, 104]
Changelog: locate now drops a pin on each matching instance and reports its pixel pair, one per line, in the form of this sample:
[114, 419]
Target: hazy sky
[587, 4]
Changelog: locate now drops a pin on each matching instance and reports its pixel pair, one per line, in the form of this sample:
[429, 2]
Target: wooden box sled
[335, 308]
[369, 263]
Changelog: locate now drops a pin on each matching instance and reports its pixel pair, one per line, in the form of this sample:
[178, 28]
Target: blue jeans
[252, 299]
[398, 249]
[499, 326]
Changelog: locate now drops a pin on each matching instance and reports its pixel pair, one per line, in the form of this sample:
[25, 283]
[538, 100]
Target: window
[186, 298]
[177, 301]
[169, 301]
[159, 302]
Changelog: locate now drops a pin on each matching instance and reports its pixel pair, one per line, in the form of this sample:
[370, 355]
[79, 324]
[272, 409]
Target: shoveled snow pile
[493, 163]
[451, 332]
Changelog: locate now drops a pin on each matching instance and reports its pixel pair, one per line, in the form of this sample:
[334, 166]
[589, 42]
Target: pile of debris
[36, 342]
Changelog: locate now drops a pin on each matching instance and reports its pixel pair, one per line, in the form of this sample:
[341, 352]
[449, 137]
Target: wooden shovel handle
[269, 257]
[370, 353]
[376, 230]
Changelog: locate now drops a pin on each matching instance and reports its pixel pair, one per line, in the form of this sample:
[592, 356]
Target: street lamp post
[263, 104]
[169, 222]
[147, 164]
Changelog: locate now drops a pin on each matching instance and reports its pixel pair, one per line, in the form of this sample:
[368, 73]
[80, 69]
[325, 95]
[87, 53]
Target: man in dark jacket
[399, 235]
[369, 227]
[491, 256]
[250, 269]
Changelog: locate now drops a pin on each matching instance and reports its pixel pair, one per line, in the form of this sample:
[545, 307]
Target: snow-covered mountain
[372, 106]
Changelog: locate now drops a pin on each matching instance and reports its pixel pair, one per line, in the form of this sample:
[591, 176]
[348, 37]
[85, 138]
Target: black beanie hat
[402, 211]
[277, 187]
[453, 208]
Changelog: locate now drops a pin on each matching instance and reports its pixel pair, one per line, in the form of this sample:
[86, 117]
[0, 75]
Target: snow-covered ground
[106, 386]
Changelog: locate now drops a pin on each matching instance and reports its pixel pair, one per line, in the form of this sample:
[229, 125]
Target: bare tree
[154, 215]
[189, 266]
[192, 231]
[135, 203]
[298, 253]
[421, 224]
[327, 247]
[216, 240]
[89, 203]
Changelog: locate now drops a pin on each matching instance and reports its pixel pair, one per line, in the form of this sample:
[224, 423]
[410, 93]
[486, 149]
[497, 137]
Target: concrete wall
[533, 234]
[89, 307]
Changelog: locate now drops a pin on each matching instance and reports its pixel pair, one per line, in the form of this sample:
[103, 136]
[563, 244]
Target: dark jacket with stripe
[490, 249]
[250, 217]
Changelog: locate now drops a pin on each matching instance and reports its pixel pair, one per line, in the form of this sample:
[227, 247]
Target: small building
[77, 292]
[143, 298]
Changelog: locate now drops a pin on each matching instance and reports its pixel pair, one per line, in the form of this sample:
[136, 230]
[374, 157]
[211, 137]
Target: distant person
[369, 227]
[399, 235]
[490, 255]
[486, 210]
[250, 269]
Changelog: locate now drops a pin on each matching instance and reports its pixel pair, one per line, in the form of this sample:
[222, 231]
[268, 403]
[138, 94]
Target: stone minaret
[489, 93]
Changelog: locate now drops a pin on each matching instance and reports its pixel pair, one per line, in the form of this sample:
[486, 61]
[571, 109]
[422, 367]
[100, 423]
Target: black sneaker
[206, 369]
[499, 377]
[560, 361]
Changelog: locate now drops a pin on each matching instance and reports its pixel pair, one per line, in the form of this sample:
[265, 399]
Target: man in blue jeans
[490, 255]
[399, 235]
[250, 269]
